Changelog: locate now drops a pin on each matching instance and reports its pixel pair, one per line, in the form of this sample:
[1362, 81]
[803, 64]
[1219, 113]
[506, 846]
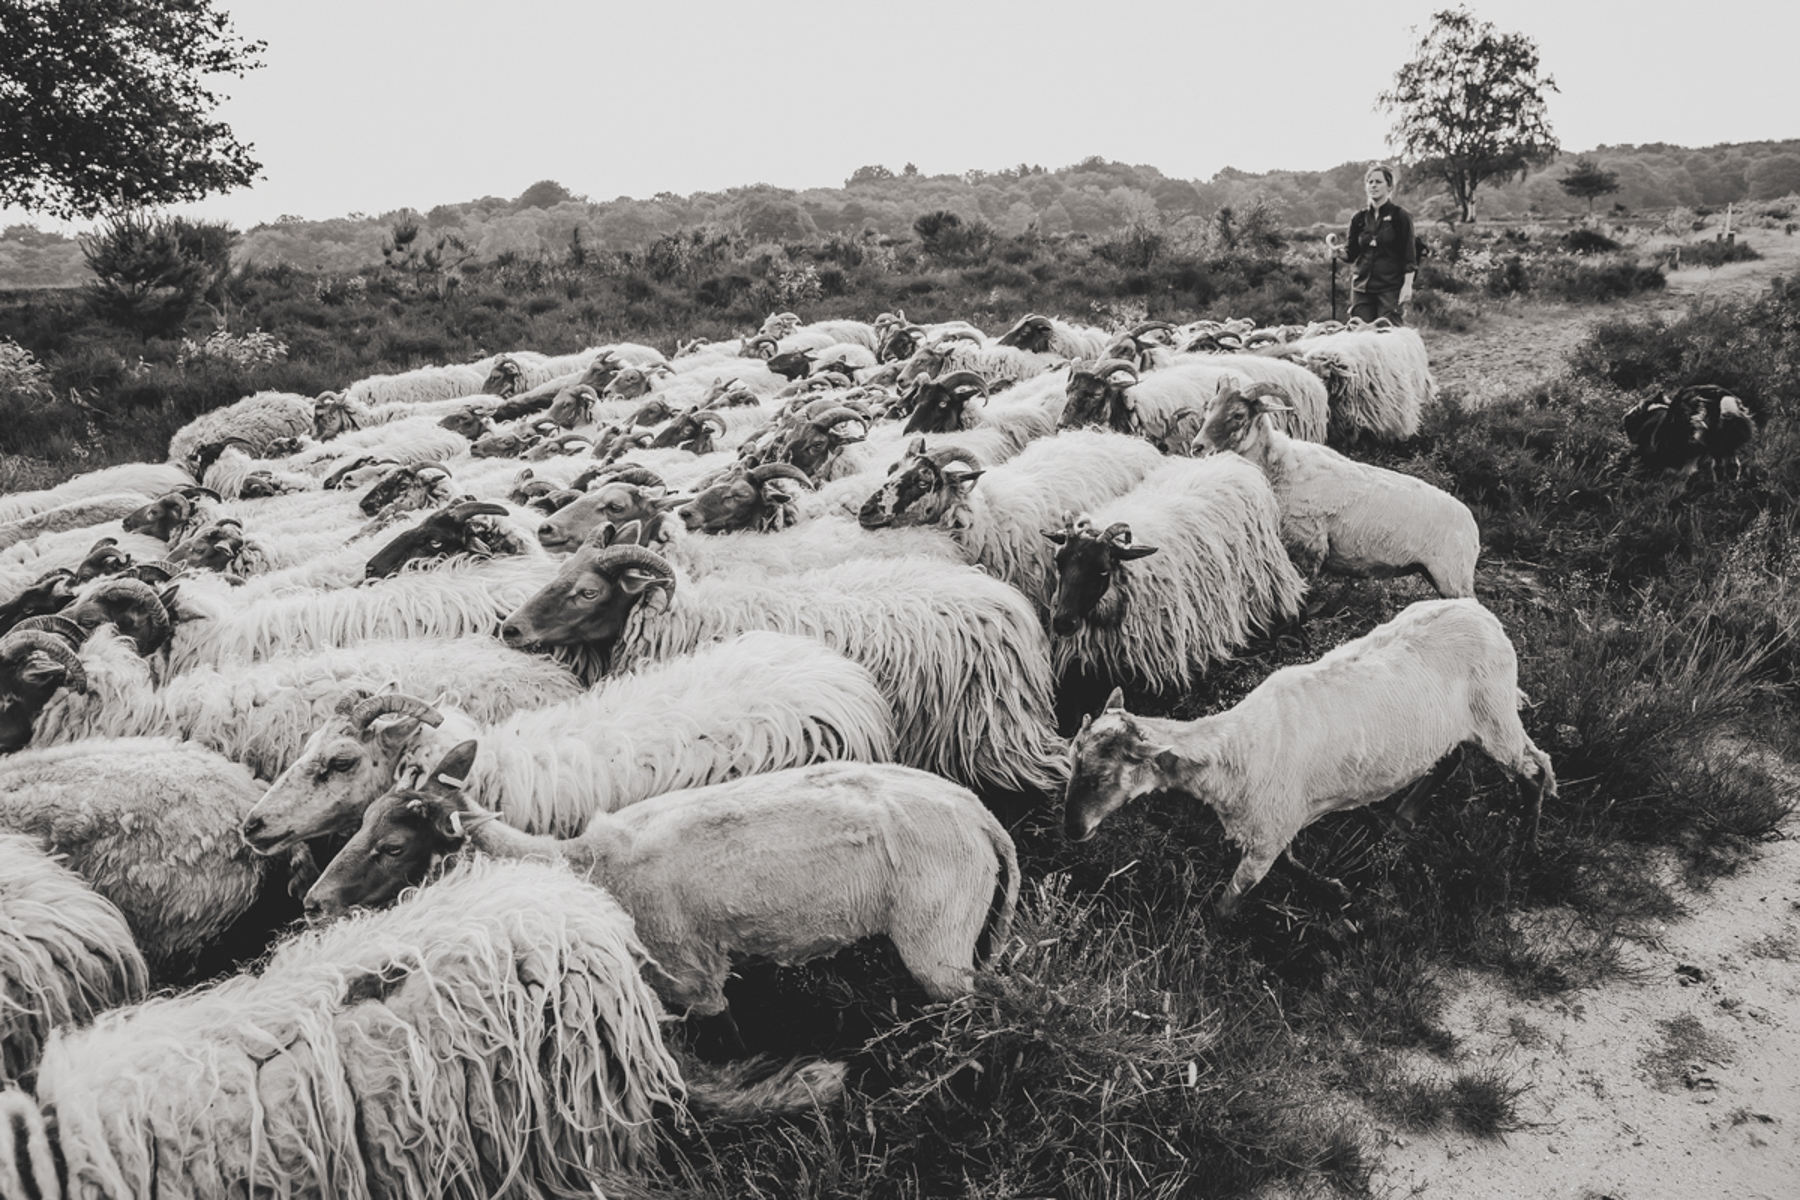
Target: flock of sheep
[738, 634]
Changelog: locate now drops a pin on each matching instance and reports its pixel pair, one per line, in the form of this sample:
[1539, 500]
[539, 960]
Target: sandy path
[1683, 1080]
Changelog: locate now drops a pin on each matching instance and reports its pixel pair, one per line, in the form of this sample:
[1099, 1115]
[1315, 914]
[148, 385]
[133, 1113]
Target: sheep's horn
[57, 624]
[1106, 368]
[838, 412]
[1143, 327]
[709, 417]
[1119, 531]
[958, 379]
[1264, 389]
[35, 639]
[193, 490]
[949, 454]
[137, 592]
[778, 470]
[476, 508]
[389, 702]
[619, 556]
[642, 476]
[958, 335]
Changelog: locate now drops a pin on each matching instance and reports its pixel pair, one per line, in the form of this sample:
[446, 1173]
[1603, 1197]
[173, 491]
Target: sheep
[222, 547]
[994, 362]
[66, 954]
[1160, 408]
[959, 655]
[1347, 516]
[175, 515]
[418, 386]
[84, 513]
[259, 714]
[51, 592]
[468, 528]
[490, 1036]
[235, 474]
[255, 420]
[146, 479]
[1699, 426]
[759, 702]
[1368, 718]
[997, 515]
[1171, 576]
[1047, 335]
[34, 665]
[1379, 379]
[790, 865]
[1309, 418]
[151, 824]
[441, 603]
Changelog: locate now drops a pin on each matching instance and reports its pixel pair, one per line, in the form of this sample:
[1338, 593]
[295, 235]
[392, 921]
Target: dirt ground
[1682, 1078]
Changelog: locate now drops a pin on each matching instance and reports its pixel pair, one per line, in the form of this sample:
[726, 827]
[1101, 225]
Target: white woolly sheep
[1367, 719]
[146, 479]
[790, 865]
[151, 824]
[255, 420]
[83, 514]
[1172, 576]
[998, 515]
[759, 702]
[65, 955]
[1347, 516]
[260, 714]
[1048, 335]
[492, 1035]
[960, 655]
[418, 386]
[1379, 379]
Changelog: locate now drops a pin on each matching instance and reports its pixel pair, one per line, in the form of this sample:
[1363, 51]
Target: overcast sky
[368, 107]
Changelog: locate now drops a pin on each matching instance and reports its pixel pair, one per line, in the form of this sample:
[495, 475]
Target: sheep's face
[504, 380]
[1030, 333]
[141, 614]
[816, 443]
[574, 406]
[1094, 399]
[450, 531]
[758, 499]
[1230, 425]
[794, 364]
[1114, 763]
[104, 559]
[588, 602]
[325, 790]
[332, 416]
[51, 594]
[468, 421]
[629, 384]
[1087, 565]
[29, 677]
[402, 833]
[215, 548]
[502, 443]
[938, 409]
[161, 517]
[619, 503]
[918, 492]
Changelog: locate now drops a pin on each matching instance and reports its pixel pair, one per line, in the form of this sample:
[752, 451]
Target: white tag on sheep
[451, 781]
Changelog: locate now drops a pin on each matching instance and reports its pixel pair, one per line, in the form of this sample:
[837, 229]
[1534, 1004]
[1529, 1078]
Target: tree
[1588, 180]
[1470, 107]
[149, 273]
[106, 108]
[545, 193]
[1777, 175]
[873, 173]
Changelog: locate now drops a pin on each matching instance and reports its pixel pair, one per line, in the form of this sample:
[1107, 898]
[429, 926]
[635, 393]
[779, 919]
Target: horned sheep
[760, 702]
[789, 865]
[146, 479]
[256, 421]
[1344, 515]
[1365, 720]
[1173, 575]
[960, 655]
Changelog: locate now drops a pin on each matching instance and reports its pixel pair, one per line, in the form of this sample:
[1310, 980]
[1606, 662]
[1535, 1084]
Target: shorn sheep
[491, 1036]
[1344, 515]
[1367, 719]
[759, 702]
[790, 865]
[65, 955]
[960, 655]
[151, 824]
[1172, 576]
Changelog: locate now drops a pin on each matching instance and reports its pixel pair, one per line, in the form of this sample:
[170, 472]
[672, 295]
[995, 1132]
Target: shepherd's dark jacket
[1385, 254]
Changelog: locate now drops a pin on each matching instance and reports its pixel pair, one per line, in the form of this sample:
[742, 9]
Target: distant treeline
[1094, 197]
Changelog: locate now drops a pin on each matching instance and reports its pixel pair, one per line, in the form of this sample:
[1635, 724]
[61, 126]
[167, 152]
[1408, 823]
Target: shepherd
[1383, 249]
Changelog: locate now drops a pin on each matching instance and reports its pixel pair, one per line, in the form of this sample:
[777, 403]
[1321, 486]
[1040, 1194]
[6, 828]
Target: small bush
[944, 235]
[1588, 241]
[1716, 253]
[150, 272]
[238, 349]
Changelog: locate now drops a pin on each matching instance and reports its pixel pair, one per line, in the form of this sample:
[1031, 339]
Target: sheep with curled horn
[222, 548]
[34, 666]
[51, 592]
[574, 406]
[1113, 395]
[792, 364]
[941, 405]
[955, 350]
[1345, 516]
[138, 610]
[560, 446]
[762, 346]
[1047, 335]
[760, 498]
[454, 530]
[816, 439]
[1139, 346]
[634, 494]
[469, 420]
[997, 514]
[694, 430]
[500, 442]
[407, 489]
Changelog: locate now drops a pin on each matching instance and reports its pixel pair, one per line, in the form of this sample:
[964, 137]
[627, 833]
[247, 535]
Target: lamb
[759, 702]
[1379, 379]
[66, 954]
[1172, 576]
[1368, 718]
[999, 523]
[790, 865]
[1344, 515]
[259, 714]
[255, 420]
[151, 824]
[959, 655]
[146, 479]
[491, 1036]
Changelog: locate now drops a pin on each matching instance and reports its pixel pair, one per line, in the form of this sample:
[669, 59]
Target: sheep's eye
[390, 849]
[589, 593]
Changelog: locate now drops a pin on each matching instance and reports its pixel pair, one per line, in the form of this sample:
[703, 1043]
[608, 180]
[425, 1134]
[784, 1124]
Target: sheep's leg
[1407, 814]
[1314, 879]
[1535, 789]
[1250, 870]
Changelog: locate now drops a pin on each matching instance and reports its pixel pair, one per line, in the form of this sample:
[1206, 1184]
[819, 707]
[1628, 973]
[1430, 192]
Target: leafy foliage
[1470, 106]
[150, 272]
[1588, 180]
[76, 73]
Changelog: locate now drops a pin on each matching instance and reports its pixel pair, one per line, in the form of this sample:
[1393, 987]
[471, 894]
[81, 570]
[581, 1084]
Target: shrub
[943, 235]
[1588, 241]
[150, 272]
[239, 349]
[22, 377]
[1715, 253]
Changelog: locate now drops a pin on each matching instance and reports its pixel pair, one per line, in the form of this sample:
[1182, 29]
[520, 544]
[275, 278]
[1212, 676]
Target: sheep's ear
[1134, 550]
[964, 481]
[40, 668]
[916, 447]
[1059, 536]
[452, 770]
[1087, 720]
[1116, 701]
